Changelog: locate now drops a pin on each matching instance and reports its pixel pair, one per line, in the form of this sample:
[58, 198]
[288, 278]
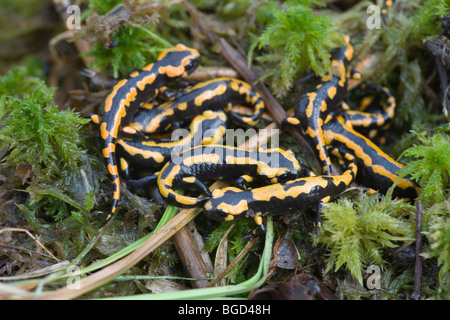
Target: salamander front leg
[242, 180]
[260, 228]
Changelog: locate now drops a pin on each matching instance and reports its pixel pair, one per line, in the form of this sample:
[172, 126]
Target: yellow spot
[109, 149]
[209, 94]
[189, 179]
[129, 130]
[146, 81]
[234, 85]
[331, 92]
[109, 99]
[103, 131]
[310, 132]
[96, 118]
[236, 209]
[171, 71]
[123, 164]
[310, 107]
[112, 169]
[182, 106]
[293, 121]
[148, 67]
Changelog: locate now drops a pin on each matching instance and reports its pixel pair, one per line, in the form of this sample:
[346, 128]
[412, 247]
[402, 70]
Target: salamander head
[179, 61]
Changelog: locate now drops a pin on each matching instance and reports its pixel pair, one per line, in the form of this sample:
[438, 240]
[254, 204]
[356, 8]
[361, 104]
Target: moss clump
[430, 166]
[40, 135]
[356, 232]
[296, 38]
[437, 230]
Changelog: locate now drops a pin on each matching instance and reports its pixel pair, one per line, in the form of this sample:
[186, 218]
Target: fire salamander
[313, 107]
[231, 203]
[151, 155]
[369, 120]
[365, 117]
[377, 170]
[208, 163]
[128, 95]
[218, 94]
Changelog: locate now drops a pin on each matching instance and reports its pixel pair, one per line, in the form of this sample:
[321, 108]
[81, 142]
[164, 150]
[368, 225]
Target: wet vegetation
[54, 188]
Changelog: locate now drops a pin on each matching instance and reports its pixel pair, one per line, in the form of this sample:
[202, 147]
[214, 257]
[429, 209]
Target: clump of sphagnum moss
[295, 38]
[437, 230]
[40, 135]
[430, 166]
[48, 141]
[356, 232]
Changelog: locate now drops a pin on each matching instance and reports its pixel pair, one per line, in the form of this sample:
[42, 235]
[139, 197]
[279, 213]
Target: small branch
[233, 263]
[273, 107]
[190, 256]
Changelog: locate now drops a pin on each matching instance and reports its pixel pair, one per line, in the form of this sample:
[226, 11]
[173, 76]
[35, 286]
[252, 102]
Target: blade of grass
[219, 292]
[108, 273]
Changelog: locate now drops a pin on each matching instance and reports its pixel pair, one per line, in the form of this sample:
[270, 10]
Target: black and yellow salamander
[193, 167]
[374, 114]
[217, 95]
[369, 116]
[314, 106]
[231, 203]
[148, 154]
[127, 96]
[376, 169]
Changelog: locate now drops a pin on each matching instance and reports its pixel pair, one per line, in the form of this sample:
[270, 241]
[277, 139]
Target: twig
[191, 257]
[32, 237]
[98, 278]
[38, 273]
[417, 291]
[233, 263]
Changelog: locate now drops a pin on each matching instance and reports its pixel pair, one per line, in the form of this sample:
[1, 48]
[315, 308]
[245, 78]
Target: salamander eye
[222, 214]
[190, 66]
[284, 177]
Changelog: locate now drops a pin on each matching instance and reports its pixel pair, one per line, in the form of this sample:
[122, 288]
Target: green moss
[296, 39]
[356, 232]
[131, 52]
[430, 166]
[40, 135]
[437, 230]
[425, 22]
[236, 242]
[102, 6]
